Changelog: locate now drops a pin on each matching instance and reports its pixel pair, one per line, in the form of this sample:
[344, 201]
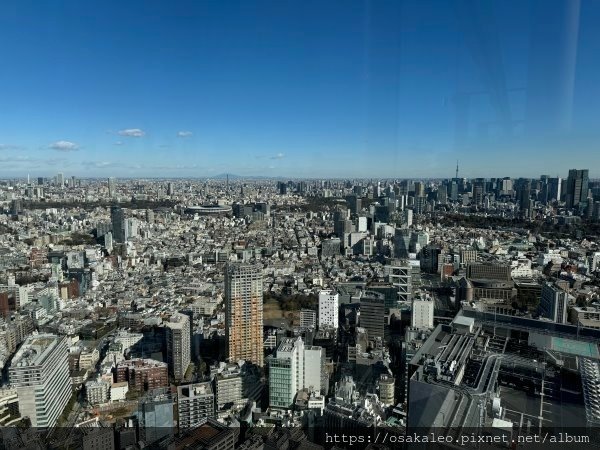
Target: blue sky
[305, 88]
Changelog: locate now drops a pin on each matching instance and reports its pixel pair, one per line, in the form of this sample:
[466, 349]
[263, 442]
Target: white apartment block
[422, 314]
[328, 309]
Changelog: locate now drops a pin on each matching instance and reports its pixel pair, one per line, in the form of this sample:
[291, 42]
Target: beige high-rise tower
[244, 313]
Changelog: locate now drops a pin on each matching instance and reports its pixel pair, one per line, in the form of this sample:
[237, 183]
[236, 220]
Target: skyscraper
[577, 187]
[419, 189]
[478, 193]
[60, 179]
[454, 191]
[40, 373]
[554, 188]
[328, 309]
[525, 197]
[117, 218]
[131, 228]
[178, 345]
[111, 187]
[442, 194]
[244, 312]
[372, 314]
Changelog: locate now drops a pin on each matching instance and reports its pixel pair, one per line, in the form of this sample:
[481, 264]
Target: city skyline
[277, 223]
[194, 90]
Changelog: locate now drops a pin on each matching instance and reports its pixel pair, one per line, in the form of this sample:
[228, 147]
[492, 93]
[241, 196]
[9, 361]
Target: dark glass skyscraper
[117, 218]
[577, 187]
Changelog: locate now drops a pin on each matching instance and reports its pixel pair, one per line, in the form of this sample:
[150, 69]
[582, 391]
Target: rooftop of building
[35, 349]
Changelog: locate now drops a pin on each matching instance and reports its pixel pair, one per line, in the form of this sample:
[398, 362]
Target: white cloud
[119, 143]
[278, 156]
[132, 132]
[185, 134]
[64, 146]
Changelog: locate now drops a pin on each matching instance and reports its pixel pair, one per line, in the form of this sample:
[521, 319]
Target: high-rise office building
[354, 203]
[478, 190]
[40, 373]
[60, 179]
[328, 309]
[112, 187]
[117, 218]
[314, 358]
[195, 404]
[525, 197]
[420, 205]
[362, 224]
[372, 314]
[108, 241]
[407, 217]
[454, 191]
[16, 206]
[419, 189]
[131, 228]
[178, 345]
[422, 314]
[155, 415]
[554, 303]
[577, 187]
[170, 189]
[286, 372]
[554, 189]
[430, 255]
[400, 276]
[282, 187]
[342, 227]
[402, 238]
[292, 368]
[244, 312]
[442, 194]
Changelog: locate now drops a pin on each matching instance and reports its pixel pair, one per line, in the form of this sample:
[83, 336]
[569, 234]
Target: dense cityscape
[299, 225]
[257, 312]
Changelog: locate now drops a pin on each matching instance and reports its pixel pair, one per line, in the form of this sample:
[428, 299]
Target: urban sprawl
[256, 313]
